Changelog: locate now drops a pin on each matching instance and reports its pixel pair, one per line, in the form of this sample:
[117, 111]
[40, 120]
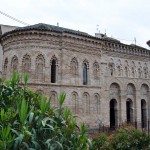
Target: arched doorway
[143, 113]
[129, 110]
[113, 113]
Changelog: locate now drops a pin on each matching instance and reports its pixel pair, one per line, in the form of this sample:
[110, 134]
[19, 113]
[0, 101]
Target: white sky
[122, 19]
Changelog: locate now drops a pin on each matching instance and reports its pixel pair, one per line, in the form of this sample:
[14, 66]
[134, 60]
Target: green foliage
[129, 138]
[125, 138]
[99, 142]
[28, 121]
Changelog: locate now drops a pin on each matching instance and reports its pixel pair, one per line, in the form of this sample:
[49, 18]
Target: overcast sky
[121, 19]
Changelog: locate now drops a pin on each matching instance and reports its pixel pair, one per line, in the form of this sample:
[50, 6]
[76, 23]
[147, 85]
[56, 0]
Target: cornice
[63, 85]
[66, 37]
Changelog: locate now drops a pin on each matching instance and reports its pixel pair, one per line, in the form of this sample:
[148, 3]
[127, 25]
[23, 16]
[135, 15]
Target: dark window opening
[53, 71]
[128, 111]
[143, 113]
[85, 80]
[112, 114]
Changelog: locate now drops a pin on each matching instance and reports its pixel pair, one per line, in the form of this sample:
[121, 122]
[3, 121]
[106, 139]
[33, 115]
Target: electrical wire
[13, 18]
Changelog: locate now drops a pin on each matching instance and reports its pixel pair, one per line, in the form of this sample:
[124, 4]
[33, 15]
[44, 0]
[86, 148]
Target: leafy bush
[128, 138]
[28, 120]
[99, 141]
[125, 138]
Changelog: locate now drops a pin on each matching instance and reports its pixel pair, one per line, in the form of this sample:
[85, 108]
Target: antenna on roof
[57, 24]
[135, 40]
[98, 31]
[105, 31]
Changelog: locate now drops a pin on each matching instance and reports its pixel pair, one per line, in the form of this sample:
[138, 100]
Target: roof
[46, 27]
[111, 39]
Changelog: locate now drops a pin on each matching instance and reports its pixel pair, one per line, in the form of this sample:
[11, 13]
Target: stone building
[105, 80]
[3, 29]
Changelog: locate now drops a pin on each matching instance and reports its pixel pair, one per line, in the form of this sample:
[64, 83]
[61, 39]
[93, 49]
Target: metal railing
[101, 128]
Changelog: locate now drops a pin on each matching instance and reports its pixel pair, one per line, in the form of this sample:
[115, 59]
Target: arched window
[85, 76]
[145, 71]
[119, 67]
[75, 103]
[53, 71]
[40, 68]
[26, 64]
[111, 67]
[86, 103]
[96, 70]
[74, 67]
[132, 71]
[139, 72]
[126, 71]
[126, 68]
[40, 92]
[54, 99]
[97, 103]
[5, 66]
[14, 63]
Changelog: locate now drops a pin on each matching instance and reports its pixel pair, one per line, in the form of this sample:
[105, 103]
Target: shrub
[99, 141]
[28, 120]
[128, 138]
[125, 138]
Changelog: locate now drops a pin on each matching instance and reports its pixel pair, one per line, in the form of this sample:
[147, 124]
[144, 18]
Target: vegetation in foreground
[29, 122]
[125, 138]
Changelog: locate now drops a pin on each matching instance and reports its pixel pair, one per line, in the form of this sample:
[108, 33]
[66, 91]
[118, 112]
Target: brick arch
[131, 82]
[5, 65]
[40, 68]
[114, 90]
[145, 84]
[74, 59]
[14, 63]
[54, 58]
[126, 63]
[28, 62]
[96, 70]
[111, 60]
[74, 64]
[133, 88]
[85, 61]
[40, 91]
[26, 56]
[119, 62]
[86, 103]
[54, 98]
[40, 56]
[114, 81]
[75, 102]
[96, 64]
[14, 57]
[6, 60]
[97, 103]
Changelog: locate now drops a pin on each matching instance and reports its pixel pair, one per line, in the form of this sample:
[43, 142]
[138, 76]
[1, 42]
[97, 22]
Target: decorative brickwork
[105, 80]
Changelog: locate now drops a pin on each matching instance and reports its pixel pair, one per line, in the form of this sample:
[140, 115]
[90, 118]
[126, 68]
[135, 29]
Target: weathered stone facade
[117, 76]
[3, 29]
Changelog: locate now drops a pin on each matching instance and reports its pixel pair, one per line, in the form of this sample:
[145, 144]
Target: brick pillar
[106, 108]
[123, 116]
[138, 109]
[148, 105]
